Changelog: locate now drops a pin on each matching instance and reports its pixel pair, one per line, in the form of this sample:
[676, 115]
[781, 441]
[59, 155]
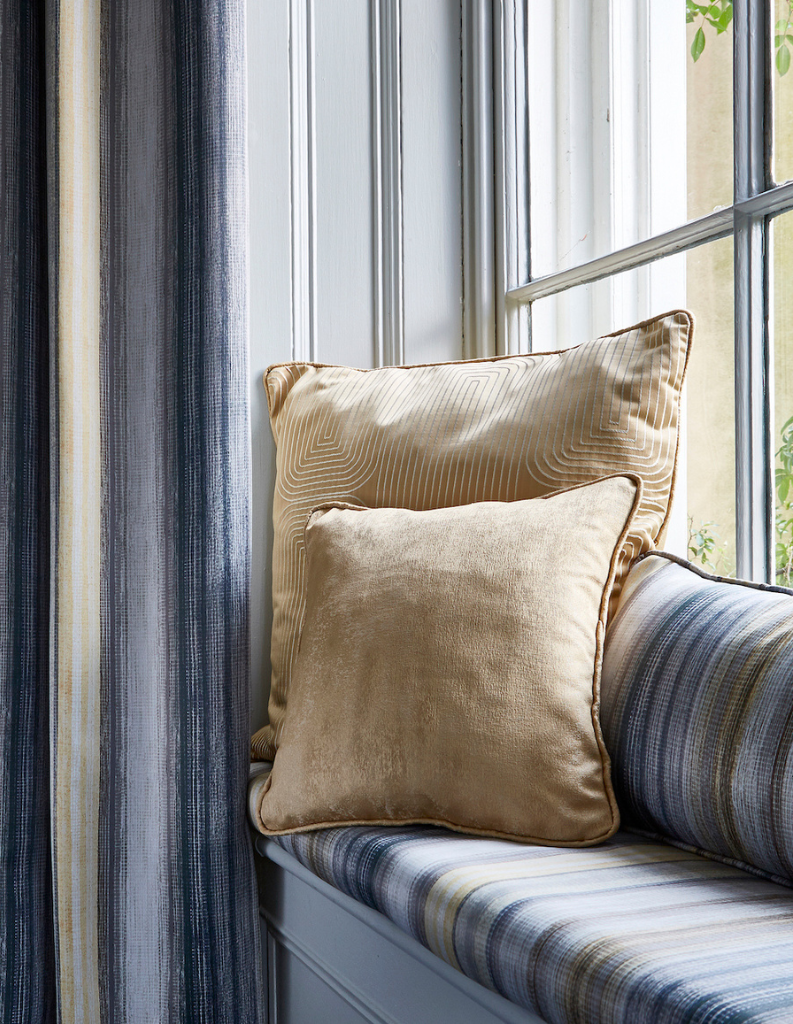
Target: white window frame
[757, 199]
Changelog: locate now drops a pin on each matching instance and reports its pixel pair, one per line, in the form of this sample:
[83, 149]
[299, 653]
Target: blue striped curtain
[127, 888]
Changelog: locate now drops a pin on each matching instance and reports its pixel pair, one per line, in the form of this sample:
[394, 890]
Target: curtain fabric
[127, 888]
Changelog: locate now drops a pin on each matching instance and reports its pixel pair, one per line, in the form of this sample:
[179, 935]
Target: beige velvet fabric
[434, 436]
[449, 668]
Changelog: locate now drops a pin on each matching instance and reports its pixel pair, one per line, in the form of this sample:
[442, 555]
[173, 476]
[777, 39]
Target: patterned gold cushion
[449, 669]
[433, 436]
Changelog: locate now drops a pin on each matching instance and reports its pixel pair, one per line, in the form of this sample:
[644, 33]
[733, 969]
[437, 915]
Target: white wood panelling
[479, 324]
[302, 150]
[344, 301]
[386, 56]
[432, 180]
[511, 171]
[389, 244]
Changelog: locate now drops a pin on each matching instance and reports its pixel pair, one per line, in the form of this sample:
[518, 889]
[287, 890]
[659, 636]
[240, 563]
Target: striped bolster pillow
[697, 713]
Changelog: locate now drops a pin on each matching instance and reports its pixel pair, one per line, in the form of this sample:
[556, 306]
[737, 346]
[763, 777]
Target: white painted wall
[356, 208]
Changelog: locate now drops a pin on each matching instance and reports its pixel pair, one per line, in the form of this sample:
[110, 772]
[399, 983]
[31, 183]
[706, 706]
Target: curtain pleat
[127, 888]
[27, 955]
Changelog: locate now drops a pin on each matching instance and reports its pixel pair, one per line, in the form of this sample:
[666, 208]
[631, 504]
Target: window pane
[782, 77]
[628, 135]
[783, 400]
[702, 527]
[709, 161]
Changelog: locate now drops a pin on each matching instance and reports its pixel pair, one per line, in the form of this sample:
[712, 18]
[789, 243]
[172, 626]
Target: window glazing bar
[753, 478]
[775, 200]
[687, 236]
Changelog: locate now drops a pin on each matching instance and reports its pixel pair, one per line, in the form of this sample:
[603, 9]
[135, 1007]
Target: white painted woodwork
[511, 173]
[302, 170]
[479, 283]
[432, 181]
[387, 221]
[344, 254]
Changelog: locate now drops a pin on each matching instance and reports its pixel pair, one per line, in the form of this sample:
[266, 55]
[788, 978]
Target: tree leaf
[699, 45]
[782, 60]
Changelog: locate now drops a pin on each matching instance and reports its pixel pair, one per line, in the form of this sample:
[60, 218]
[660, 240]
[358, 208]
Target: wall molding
[302, 165]
[511, 165]
[362, 1004]
[479, 309]
[386, 57]
[479, 221]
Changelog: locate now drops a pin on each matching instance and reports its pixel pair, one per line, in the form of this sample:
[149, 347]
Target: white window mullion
[510, 158]
[753, 365]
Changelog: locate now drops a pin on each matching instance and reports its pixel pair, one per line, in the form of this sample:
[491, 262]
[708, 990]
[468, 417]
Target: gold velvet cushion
[433, 436]
[449, 669]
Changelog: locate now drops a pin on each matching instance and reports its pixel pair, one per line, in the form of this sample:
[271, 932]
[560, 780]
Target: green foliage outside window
[703, 540]
[703, 546]
[718, 16]
[783, 483]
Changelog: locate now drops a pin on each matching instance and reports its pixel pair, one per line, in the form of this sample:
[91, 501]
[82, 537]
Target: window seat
[626, 931]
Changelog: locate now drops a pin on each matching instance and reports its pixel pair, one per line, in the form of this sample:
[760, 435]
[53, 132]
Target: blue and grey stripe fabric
[176, 517]
[697, 713]
[626, 932]
[127, 887]
[27, 966]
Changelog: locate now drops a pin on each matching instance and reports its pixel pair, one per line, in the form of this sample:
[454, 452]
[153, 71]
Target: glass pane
[611, 87]
[782, 440]
[709, 163]
[702, 526]
[782, 77]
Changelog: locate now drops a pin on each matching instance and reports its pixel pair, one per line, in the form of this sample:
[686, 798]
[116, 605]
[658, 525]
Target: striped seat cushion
[697, 713]
[628, 932]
